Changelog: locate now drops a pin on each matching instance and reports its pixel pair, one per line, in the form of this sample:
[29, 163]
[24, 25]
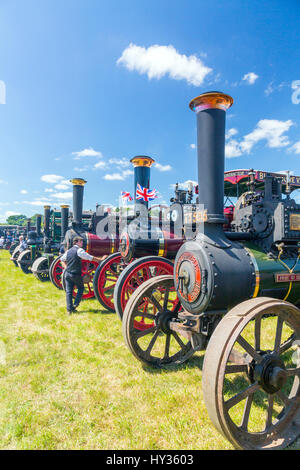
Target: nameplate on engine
[294, 221]
[287, 277]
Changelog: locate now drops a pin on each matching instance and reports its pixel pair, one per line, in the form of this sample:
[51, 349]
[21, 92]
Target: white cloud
[49, 190]
[232, 149]
[89, 152]
[163, 167]
[127, 173]
[114, 177]
[37, 202]
[118, 176]
[52, 179]
[231, 132]
[9, 213]
[270, 130]
[157, 61]
[23, 191]
[61, 186]
[250, 78]
[192, 146]
[119, 162]
[295, 148]
[66, 195]
[100, 165]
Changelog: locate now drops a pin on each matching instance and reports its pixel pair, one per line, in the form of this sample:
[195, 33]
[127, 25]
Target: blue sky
[86, 85]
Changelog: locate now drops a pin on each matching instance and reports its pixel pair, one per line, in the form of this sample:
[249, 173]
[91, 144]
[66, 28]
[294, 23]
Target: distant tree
[18, 219]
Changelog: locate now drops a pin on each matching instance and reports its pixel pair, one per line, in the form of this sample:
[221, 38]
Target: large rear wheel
[251, 374]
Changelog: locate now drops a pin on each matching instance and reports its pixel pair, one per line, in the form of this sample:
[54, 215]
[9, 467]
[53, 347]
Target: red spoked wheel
[105, 279]
[88, 269]
[135, 274]
[55, 273]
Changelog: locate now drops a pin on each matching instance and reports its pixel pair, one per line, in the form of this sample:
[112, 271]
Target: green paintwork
[267, 268]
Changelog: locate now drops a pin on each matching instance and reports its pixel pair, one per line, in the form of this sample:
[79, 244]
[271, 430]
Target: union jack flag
[145, 194]
[126, 196]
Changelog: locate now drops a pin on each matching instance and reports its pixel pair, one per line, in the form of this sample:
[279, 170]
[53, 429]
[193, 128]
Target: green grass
[71, 383]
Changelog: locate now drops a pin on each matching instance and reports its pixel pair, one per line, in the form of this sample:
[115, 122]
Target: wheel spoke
[140, 333]
[283, 398]
[155, 303]
[246, 413]
[245, 345]
[241, 396]
[269, 412]
[257, 333]
[278, 334]
[167, 292]
[287, 344]
[152, 342]
[238, 358]
[167, 346]
[181, 343]
[235, 368]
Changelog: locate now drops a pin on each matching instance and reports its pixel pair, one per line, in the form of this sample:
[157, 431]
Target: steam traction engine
[149, 247]
[238, 294]
[118, 274]
[55, 226]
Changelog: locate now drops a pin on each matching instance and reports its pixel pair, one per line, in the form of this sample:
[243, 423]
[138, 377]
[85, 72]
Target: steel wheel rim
[56, 271]
[223, 366]
[155, 329]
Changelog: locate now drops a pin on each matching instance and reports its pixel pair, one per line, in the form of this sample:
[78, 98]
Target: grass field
[70, 382]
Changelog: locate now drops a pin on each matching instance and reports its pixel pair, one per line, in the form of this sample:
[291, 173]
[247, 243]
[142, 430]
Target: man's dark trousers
[73, 280]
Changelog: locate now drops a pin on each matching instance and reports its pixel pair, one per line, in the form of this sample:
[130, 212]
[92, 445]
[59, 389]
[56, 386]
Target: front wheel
[251, 375]
[147, 325]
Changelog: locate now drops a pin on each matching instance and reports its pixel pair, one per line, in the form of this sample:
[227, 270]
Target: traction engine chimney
[142, 165]
[64, 220]
[78, 187]
[211, 110]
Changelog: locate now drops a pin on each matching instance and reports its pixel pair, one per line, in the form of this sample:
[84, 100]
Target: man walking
[71, 261]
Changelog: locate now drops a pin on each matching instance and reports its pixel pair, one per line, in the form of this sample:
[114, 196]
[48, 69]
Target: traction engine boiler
[234, 293]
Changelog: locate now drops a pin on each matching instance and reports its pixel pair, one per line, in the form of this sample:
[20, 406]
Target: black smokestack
[142, 169]
[38, 224]
[28, 225]
[78, 187]
[211, 109]
[47, 221]
[64, 220]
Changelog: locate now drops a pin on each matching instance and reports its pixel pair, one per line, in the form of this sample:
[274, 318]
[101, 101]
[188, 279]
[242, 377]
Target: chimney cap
[47, 207]
[142, 160]
[78, 181]
[64, 206]
[211, 100]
